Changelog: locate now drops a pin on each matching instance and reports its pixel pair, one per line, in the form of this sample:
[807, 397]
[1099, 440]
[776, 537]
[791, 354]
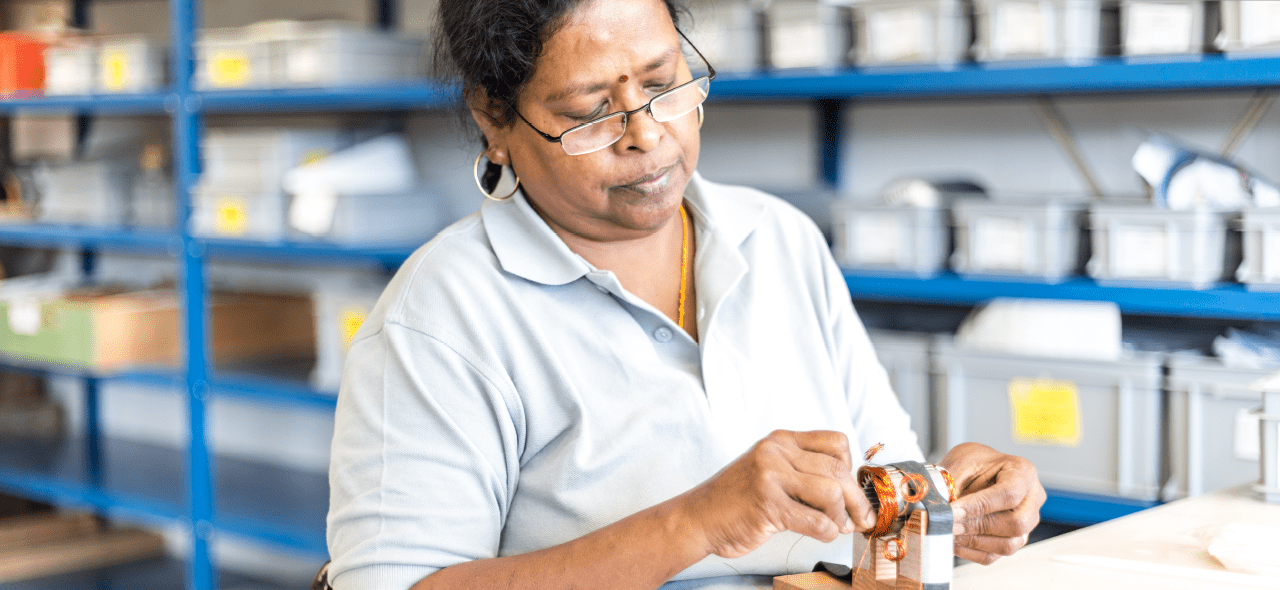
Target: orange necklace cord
[684, 265]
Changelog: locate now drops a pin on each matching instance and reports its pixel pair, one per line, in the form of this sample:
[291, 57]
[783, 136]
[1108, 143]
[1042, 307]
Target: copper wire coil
[891, 498]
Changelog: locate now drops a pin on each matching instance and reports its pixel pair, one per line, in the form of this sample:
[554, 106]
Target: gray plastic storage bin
[1072, 30]
[70, 68]
[729, 33]
[340, 311]
[1088, 426]
[808, 34]
[1213, 430]
[891, 238]
[89, 193]
[1143, 245]
[256, 159]
[232, 58]
[1260, 268]
[912, 31]
[906, 358]
[397, 219]
[223, 211]
[1032, 240]
[130, 64]
[1167, 27]
[1250, 27]
[335, 54]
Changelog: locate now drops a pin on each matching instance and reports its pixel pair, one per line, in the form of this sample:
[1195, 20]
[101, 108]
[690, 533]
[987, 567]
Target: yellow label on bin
[230, 216]
[350, 319]
[115, 70]
[1045, 412]
[230, 69]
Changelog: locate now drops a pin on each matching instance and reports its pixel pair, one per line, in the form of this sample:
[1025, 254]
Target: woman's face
[611, 55]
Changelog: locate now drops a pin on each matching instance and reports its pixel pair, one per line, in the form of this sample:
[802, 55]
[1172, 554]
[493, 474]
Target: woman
[621, 374]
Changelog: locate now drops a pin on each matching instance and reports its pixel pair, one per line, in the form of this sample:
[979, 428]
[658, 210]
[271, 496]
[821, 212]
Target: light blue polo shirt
[505, 396]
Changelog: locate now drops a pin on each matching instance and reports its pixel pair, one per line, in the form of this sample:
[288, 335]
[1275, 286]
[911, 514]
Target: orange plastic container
[21, 65]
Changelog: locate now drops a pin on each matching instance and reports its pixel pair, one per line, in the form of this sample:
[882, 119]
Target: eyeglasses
[605, 131]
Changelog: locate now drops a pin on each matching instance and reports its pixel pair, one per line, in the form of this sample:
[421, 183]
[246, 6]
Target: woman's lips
[651, 183]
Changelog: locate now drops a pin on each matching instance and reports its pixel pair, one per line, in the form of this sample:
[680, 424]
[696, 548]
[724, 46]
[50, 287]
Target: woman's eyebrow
[594, 87]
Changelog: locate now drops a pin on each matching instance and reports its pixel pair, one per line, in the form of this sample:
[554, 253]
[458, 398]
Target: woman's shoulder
[457, 260]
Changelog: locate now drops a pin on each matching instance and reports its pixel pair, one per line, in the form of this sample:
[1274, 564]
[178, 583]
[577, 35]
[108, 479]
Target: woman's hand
[797, 481]
[999, 501]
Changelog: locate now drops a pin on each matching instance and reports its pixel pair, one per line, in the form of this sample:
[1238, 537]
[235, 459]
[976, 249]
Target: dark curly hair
[492, 45]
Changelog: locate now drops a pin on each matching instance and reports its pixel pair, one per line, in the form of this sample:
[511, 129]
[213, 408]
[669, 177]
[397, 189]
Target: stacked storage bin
[1089, 426]
[240, 194]
[889, 32]
[1139, 244]
[729, 33]
[1250, 27]
[906, 358]
[281, 54]
[1213, 427]
[95, 192]
[340, 310]
[892, 239]
[1260, 267]
[1168, 27]
[808, 34]
[1033, 241]
[104, 65]
[1072, 30]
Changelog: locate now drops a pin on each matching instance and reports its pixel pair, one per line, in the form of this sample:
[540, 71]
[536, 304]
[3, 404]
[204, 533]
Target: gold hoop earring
[702, 115]
[475, 171]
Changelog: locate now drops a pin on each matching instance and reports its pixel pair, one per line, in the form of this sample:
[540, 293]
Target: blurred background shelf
[156, 574]
[1226, 301]
[1107, 75]
[82, 236]
[279, 505]
[150, 103]
[306, 252]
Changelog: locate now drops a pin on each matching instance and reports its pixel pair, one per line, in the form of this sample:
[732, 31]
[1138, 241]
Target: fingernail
[957, 530]
[958, 514]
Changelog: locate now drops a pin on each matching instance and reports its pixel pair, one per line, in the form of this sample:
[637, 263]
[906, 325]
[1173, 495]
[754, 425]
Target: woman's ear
[488, 116]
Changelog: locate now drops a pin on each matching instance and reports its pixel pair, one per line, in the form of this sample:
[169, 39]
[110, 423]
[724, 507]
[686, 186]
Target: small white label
[875, 238]
[899, 34]
[1020, 29]
[1259, 23]
[936, 564]
[1140, 252]
[1160, 27]
[24, 316]
[999, 244]
[312, 211]
[1248, 439]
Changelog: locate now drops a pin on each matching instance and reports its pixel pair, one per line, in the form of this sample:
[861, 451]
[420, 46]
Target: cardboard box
[106, 330]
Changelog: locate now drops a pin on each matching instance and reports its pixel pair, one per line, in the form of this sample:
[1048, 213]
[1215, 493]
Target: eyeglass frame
[710, 75]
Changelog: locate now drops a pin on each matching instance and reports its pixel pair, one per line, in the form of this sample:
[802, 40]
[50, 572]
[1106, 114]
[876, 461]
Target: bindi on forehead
[622, 79]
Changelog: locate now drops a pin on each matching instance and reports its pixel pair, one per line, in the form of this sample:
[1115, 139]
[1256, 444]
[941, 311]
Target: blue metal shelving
[287, 507]
[1108, 76]
[1226, 301]
[45, 234]
[115, 104]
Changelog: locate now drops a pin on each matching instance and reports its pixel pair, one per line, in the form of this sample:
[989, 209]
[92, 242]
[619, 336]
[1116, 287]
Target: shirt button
[662, 335]
[702, 311]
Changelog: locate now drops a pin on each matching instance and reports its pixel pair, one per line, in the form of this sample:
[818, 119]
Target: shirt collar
[527, 247]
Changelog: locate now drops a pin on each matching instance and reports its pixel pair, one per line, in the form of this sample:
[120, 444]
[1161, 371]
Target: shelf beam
[1101, 76]
[1228, 301]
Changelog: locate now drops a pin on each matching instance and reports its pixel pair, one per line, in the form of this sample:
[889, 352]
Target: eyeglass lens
[665, 107]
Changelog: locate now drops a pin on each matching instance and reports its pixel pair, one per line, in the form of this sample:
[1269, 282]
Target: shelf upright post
[92, 399]
[185, 109]
[830, 129]
[386, 13]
